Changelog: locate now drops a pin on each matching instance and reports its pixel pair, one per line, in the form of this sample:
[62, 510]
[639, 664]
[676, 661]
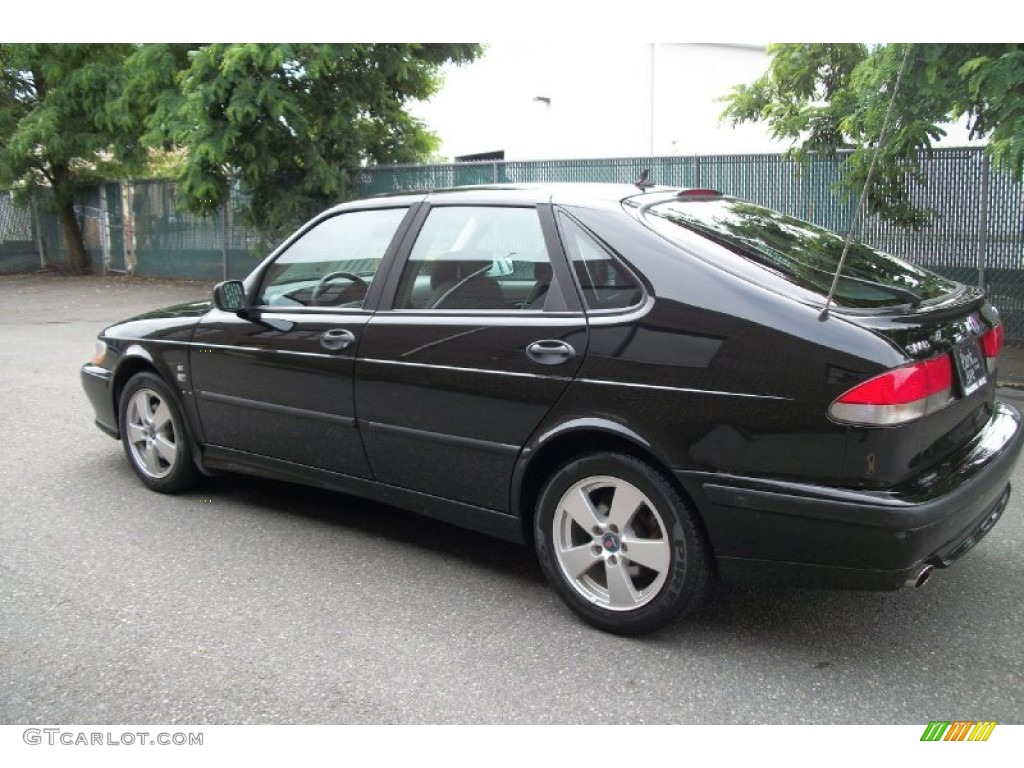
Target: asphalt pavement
[250, 601]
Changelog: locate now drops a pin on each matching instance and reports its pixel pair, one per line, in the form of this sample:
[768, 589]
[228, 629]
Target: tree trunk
[78, 258]
[63, 192]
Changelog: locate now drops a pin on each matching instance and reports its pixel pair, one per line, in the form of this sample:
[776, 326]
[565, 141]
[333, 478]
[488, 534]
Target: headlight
[101, 352]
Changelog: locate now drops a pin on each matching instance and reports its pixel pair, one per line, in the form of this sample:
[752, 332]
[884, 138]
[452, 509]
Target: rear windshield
[801, 252]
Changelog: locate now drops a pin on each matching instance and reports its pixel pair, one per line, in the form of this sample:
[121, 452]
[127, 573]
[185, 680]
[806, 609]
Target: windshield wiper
[912, 298]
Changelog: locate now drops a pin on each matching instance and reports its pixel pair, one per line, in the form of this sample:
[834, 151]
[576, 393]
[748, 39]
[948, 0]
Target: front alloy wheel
[154, 437]
[151, 434]
[620, 545]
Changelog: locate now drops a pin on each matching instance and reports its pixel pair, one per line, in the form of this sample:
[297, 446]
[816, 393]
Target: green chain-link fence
[169, 243]
[978, 236]
[18, 247]
[131, 227]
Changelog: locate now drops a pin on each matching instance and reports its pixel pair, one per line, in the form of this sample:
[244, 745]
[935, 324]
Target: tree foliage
[829, 97]
[286, 123]
[53, 111]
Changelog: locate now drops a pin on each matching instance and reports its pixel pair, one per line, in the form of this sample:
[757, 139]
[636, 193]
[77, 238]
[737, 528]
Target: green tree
[830, 96]
[54, 122]
[286, 122]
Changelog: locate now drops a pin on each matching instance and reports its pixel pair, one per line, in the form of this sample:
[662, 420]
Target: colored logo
[958, 730]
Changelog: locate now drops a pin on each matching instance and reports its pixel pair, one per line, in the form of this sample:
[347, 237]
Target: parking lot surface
[251, 601]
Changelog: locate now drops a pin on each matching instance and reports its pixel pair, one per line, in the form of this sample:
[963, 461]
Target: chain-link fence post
[983, 220]
[224, 232]
[104, 229]
[128, 243]
[37, 227]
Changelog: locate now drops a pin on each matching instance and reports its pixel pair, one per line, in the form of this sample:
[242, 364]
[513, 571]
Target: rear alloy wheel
[153, 435]
[620, 545]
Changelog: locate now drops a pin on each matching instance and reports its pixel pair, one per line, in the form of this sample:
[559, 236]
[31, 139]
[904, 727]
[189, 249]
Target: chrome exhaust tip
[918, 580]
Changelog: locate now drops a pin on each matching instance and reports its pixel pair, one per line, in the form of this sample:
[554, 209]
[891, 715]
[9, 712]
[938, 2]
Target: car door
[276, 381]
[478, 335]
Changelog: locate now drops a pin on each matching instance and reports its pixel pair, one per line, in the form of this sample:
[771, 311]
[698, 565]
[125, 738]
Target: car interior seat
[462, 284]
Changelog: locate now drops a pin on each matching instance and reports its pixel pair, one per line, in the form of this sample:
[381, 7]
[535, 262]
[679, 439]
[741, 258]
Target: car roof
[566, 193]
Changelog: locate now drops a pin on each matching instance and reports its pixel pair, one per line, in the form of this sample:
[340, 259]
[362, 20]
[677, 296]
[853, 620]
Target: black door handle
[337, 339]
[550, 352]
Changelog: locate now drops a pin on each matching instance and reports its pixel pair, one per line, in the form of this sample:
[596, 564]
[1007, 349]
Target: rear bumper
[766, 530]
[97, 384]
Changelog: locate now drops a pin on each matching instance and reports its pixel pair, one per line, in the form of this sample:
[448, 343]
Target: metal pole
[105, 228]
[34, 204]
[224, 232]
[983, 220]
[128, 226]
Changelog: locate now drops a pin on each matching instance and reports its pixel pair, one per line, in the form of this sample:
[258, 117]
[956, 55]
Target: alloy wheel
[151, 435]
[610, 543]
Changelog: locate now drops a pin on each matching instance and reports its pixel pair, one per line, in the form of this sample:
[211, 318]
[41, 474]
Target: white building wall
[576, 100]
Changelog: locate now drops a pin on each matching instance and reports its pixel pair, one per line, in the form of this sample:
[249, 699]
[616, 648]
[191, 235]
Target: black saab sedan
[654, 387]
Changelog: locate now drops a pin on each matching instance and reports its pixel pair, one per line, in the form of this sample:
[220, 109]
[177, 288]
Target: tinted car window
[477, 257]
[606, 282]
[334, 263]
[801, 252]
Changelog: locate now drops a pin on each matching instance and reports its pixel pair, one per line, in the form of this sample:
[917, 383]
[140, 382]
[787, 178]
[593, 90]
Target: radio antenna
[867, 185]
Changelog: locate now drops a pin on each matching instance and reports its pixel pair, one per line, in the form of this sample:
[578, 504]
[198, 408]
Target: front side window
[333, 264]
[477, 258]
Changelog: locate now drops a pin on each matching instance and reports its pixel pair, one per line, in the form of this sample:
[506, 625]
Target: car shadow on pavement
[378, 520]
[822, 625]
[793, 621]
[793, 617]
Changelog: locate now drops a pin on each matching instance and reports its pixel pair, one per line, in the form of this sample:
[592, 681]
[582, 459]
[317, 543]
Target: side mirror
[229, 296]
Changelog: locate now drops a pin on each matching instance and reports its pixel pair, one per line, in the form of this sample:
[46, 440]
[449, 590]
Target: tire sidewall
[686, 581]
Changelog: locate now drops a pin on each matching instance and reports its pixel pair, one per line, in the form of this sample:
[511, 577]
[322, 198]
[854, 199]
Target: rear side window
[477, 258]
[604, 280]
[802, 253]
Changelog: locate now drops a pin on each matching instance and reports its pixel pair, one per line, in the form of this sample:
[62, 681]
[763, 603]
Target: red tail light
[992, 345]
[897, 396]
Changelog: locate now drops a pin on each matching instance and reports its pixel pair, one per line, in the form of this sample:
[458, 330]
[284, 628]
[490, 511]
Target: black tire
[625, 504]
[154, 435]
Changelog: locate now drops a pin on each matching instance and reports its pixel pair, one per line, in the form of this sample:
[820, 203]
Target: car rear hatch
[901, 420]
[906, 420]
